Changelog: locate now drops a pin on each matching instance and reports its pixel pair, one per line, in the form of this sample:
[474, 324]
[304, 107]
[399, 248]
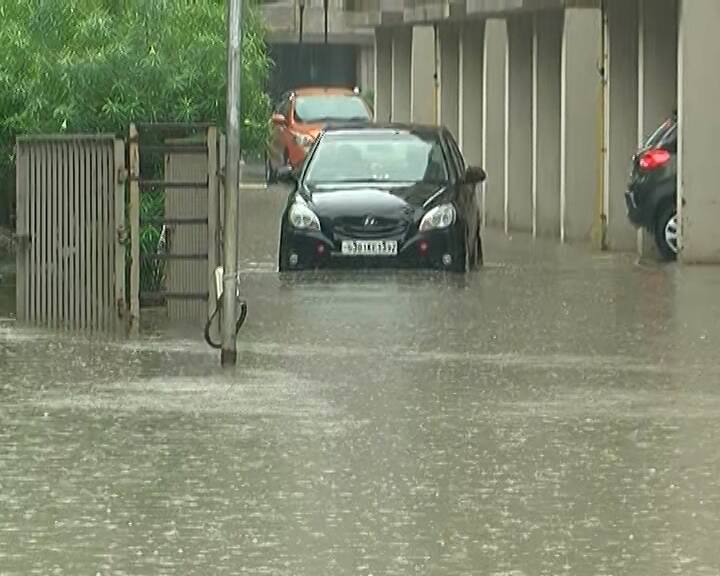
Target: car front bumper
[435, 249]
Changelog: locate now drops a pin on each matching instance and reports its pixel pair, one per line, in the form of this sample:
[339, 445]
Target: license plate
[369, 248]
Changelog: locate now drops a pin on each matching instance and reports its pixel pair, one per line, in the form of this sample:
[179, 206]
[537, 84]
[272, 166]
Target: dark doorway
[299, 65]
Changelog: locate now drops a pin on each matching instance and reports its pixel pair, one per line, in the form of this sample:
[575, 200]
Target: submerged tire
[666, 232]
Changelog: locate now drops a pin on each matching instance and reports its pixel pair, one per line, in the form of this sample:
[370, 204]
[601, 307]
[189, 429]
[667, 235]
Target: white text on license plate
[369, 248]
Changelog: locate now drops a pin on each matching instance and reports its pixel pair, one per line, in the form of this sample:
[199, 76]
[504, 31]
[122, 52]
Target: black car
[396, 195]
[652, 193]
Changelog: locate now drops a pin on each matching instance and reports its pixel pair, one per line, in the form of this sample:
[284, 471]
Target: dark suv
[652, 193]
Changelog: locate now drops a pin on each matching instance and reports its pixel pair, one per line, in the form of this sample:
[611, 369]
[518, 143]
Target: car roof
[385, 127]
[319, 90]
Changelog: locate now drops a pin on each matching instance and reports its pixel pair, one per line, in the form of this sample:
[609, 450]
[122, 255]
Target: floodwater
[555, 413]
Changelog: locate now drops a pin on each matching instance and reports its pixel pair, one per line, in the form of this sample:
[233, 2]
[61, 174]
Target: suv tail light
[654, 159]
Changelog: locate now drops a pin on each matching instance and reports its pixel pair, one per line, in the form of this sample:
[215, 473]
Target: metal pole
[436, 76]
[325, 6]
[228, 356]
[599, 232]
[302, 21]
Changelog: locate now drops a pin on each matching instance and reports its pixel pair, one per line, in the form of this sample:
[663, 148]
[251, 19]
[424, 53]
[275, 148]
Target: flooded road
[557, 412]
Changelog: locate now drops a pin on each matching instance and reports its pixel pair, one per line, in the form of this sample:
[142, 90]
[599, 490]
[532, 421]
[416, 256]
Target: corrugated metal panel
[187, 276]
[69, 258]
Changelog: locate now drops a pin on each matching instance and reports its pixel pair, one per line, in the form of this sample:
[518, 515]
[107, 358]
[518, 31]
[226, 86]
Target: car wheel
[666, 232]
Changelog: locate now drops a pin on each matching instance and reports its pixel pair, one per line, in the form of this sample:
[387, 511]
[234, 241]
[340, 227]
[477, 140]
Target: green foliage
[76, 66]
[97, 65]
[152, 272]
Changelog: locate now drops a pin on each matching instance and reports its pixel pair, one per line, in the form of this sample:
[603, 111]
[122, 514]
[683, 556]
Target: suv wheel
[666, 232]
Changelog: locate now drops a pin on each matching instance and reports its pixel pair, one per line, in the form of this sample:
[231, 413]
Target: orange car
[301, 115]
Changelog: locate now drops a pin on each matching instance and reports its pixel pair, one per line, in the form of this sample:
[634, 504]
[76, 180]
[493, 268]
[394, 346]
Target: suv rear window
[325, 108]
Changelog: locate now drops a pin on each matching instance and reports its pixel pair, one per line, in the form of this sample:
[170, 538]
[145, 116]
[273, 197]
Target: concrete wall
[494, 121]
[401, 74]
[422, 104]
[282, 21]
[700, 125]
[518, 124]
[621, 118]
[383, 74]
[558, 134]
[658, 49]
[366, 68]
[580, 109]
[472, 46]
[449, 77]
[546, 123]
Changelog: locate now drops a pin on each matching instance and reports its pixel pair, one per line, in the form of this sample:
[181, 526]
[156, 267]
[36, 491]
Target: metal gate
[176, 168]
[70, 228]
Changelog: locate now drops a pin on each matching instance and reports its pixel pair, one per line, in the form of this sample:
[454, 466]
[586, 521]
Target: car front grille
[368, 227]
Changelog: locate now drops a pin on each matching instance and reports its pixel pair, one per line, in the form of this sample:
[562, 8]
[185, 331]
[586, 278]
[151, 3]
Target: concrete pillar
[657, 77]
[518, 124]
[422, 101]
[449, 77]
[383, 74]
[699, 94]
[547, 51]
[493, 122]
[621, 118]
[366, 68]
[580, 134]
[401, 74]
[470, 125]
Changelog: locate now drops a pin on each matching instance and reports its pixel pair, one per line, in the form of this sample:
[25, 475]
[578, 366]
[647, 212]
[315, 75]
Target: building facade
[552, 97]
[296, 36]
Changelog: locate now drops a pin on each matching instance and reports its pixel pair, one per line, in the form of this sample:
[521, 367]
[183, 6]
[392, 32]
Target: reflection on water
[555, 413]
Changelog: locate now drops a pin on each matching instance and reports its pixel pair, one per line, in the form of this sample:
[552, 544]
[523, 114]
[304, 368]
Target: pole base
[228, 358]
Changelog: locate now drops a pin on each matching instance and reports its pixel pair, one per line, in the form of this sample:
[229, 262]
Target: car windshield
[324, 108]
[373, 156]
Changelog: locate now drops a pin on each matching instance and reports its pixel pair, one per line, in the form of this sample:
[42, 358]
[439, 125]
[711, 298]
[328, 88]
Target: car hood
[362, 199]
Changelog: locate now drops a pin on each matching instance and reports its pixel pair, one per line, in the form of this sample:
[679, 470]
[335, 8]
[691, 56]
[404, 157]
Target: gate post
[134, 227]
[121, 235]
[21, 231]
[212, 213]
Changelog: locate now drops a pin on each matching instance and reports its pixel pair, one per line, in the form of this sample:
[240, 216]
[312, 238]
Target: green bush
[98, 65]
[78, 66]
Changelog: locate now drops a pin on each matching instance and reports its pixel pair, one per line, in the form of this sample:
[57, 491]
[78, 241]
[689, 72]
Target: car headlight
[438, 218]
[302, 218]
[303, 140]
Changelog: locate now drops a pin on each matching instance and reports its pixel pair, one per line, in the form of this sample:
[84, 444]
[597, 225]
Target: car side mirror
[475, 175]
[279, 120]
[287, 175]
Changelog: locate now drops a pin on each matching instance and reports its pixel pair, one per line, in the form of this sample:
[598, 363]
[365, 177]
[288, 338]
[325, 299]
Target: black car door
[467, 197]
